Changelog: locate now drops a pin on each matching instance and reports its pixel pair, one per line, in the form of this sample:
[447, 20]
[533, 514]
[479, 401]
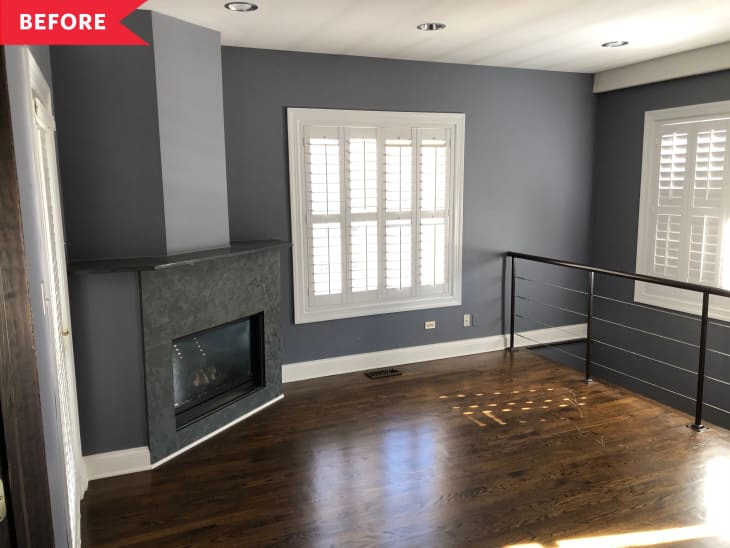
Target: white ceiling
[563, 35]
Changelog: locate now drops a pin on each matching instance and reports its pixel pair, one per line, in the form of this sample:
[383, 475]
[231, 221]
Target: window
[684, 220]
[376, 200]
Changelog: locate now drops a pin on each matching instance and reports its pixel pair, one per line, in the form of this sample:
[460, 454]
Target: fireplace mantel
[138, 264]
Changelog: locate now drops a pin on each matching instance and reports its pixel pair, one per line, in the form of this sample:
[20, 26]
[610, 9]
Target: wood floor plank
[488, 450]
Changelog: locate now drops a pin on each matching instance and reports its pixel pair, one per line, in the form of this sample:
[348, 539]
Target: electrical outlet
[467, 320]
[430, 324]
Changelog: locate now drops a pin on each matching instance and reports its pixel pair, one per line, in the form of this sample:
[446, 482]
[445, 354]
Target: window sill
[354, 310]
[681, 300]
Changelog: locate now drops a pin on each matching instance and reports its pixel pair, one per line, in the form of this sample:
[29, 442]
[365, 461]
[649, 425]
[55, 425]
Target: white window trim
[298, 119]
[652, 294]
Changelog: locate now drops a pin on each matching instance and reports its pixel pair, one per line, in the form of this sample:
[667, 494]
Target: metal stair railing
[705, 291]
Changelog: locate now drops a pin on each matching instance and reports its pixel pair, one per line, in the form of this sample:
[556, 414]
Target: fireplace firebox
[217, 366]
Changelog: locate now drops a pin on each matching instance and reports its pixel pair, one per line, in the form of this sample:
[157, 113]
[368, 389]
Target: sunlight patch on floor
[643, 538]
[534, 405]
[639, 538]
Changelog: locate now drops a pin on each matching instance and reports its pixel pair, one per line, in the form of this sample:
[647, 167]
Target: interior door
[23, 466]
[56, 305]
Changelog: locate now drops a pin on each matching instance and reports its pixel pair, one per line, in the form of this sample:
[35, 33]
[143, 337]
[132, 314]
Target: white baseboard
[117, 463]
[138, 459]
[300, 371]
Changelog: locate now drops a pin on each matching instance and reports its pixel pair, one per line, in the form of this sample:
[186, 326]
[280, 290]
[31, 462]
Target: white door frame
[56, 307]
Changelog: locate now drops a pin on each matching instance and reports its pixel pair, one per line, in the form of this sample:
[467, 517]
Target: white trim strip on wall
[679, 65]
[127, 461]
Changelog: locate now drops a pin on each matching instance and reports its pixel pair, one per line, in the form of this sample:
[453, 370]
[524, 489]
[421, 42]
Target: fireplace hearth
[217, 366]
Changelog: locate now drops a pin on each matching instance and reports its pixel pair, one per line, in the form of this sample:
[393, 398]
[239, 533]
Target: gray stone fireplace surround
[184, 294]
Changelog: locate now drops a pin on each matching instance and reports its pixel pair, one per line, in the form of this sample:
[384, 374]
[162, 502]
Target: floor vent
[382, 373]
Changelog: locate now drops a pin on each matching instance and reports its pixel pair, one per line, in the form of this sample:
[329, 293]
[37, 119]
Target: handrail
[706, 291]
[623, 274]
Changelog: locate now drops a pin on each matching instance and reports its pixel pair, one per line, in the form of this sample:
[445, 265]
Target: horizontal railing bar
[562, 342]
[653, 309]
[551, 285]
[550, 346]
[626, 275]
[726, 383]
[646, 332]
[643, 380]
[719, 352]
[716, 407]
[644, 356]
[527, 318]
[556, 307]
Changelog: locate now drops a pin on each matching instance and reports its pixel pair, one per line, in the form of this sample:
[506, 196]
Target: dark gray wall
[23, 136]
[109, 147]
[109, 364]
[615, 215]
[192, 143]
[528, 154]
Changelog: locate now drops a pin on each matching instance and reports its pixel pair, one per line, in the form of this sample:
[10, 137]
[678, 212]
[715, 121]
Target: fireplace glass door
[217, 366]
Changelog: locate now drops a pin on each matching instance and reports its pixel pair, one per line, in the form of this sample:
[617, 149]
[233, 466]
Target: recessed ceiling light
[241, 6]
[614, 44]
[431, 26]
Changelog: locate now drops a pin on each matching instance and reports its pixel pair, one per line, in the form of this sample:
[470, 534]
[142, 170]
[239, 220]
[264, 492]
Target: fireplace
[194, 304]
[217, 366]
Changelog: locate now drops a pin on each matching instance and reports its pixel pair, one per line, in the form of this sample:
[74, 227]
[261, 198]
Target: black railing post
[589, 325]
[698, 426]
[512, 310]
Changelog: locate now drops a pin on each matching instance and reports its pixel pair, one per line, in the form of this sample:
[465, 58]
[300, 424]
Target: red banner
[67, 22]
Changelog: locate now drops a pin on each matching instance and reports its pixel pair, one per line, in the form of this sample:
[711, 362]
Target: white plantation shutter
[362, 170]
[671, 191]
[667, 243]
[433, 202]
[689, 206]
[711, 191]
[710, 194]
[362, 212]
[685, 197]
[363, 256]
[326, 259]
[323, 173]
[709, 180]
[398, 255]
[432, 260]
[704, 250]
[398, 170]
[376, 211]
[400, 216]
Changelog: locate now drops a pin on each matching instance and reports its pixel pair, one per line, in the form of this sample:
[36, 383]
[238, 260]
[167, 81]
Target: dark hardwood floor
[486, 450]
